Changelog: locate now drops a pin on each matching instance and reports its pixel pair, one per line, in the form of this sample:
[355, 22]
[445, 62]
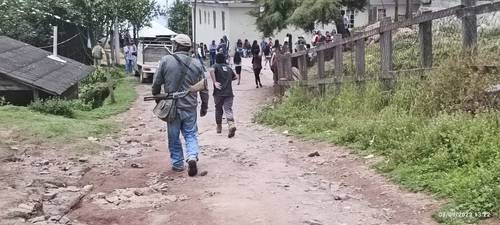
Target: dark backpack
[267, 50]
[237, 57]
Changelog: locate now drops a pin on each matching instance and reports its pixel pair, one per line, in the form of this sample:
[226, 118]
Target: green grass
[35, 126]
[440, 135]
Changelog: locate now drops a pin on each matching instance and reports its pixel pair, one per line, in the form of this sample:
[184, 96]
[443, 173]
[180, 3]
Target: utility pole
[408, 9]
[116, 43]
[396, 10]
[194, 25]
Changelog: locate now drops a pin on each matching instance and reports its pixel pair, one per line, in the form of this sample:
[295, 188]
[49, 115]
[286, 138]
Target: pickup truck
[149, 53]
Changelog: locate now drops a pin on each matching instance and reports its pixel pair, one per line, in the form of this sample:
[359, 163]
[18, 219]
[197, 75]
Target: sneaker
[232, 130]
[260, 85]
[257, 86]
[192, 168]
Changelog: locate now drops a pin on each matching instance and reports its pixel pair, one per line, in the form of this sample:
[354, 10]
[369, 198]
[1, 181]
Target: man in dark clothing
[178, 72]
[223, 48]
[213, 52]
[222, 76]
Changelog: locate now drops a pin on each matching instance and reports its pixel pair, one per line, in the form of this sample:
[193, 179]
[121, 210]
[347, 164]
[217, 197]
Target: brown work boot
[219, 128]
[232, 129]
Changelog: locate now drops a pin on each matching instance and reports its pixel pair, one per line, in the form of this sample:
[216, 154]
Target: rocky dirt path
[259, 177]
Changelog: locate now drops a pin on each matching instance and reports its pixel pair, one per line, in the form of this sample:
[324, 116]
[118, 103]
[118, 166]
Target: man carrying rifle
[178, 72]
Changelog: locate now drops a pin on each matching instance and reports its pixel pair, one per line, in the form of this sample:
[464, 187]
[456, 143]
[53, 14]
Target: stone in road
[259, 177]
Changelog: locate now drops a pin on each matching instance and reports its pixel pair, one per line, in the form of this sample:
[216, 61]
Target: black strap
[186, 65]
[183, 71]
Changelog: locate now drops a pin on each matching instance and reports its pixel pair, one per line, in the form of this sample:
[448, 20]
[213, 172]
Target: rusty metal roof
[32, 66]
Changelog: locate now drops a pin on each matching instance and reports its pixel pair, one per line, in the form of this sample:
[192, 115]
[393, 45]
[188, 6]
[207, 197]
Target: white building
[215, 18]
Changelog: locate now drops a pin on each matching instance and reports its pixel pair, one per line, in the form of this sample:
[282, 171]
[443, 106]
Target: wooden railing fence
[467, 12]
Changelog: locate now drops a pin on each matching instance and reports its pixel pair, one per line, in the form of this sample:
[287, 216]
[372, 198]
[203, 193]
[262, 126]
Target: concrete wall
[239, 25]
[205, 32]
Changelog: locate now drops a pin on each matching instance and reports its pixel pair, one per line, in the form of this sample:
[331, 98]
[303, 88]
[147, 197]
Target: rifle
[200, 86]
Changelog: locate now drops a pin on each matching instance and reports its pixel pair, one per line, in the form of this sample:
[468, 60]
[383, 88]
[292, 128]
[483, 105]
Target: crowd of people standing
[262, 53]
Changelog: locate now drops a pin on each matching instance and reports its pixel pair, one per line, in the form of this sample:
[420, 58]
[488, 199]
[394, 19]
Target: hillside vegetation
[440, 134]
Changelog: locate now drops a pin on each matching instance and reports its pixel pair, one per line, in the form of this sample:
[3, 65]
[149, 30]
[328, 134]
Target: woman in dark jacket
[237, 64]
[257, 67]
[255, 48]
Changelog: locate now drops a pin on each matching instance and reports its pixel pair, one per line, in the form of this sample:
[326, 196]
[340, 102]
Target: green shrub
[439, 134]
[54, 106]
[95, 88]
[3, 101]
[94, 94]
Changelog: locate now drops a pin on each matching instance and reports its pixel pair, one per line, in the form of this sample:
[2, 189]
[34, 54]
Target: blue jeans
[212, 58]
[129, 65]
[185, 123]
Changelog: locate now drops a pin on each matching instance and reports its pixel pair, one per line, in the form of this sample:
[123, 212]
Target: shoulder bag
[166, 109]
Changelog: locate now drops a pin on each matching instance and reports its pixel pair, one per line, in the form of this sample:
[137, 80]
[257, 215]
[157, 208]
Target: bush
[94, 94]
[95, 88]
[441, 134]
[3, 101]
[54, 106]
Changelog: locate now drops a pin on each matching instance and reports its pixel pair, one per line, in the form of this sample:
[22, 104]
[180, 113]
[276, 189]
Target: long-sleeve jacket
[170, 71]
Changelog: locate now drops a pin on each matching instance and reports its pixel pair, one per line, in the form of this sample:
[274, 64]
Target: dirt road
[260, 177]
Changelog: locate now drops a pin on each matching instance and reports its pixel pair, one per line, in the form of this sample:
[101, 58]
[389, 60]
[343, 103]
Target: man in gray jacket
[169, 75]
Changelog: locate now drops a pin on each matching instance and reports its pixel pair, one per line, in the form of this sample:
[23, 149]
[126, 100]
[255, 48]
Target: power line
[62, 42]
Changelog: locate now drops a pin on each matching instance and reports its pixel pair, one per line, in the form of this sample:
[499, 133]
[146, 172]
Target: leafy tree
[276, 15]
[179, 17]
[30, 20]
[139, 13]
[272, 15]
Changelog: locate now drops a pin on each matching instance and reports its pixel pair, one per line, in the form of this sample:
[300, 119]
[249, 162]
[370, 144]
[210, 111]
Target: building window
[223, 20]
[199, 13]
[381, 13]
[215, 20]
[205, 16]
[208, 17]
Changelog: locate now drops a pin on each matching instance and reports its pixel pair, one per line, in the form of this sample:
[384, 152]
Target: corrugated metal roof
[31, 66]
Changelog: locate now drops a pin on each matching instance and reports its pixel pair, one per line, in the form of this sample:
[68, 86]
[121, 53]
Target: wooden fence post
[469, 29]
[339, 60]
[284, 72]
[287, 67]
[302, 61]
[360, 59]
[321, 70]
[278, 88]
[425, 38]
[386, 54]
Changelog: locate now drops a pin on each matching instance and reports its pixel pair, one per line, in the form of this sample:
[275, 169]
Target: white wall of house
[239, 24]
[210, 29]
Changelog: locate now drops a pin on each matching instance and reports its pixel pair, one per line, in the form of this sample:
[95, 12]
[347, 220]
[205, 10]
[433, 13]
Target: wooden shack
[28, 73]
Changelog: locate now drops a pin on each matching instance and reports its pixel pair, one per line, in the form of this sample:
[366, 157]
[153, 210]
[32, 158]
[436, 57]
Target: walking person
[97, 54]
[237, 64]
[257, 67]
[248, 48]
[130, 52]
[178, 72]
[222, 77]
[267, 54]
[213, 52]
[255, 48]
[263, 44]
[223, 48]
